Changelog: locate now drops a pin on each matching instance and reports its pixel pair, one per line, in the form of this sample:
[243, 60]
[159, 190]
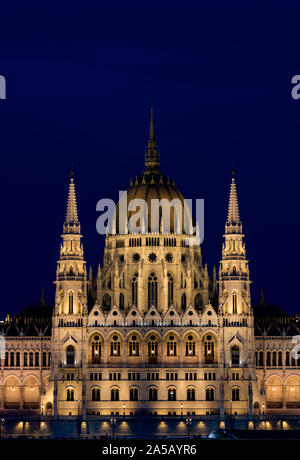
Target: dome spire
[152, 157]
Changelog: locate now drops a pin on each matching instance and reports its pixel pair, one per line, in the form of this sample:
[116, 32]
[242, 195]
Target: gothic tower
[237, 355]
[70, 313]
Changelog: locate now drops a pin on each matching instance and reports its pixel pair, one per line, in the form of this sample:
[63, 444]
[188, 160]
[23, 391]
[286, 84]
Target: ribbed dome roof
[152, 184]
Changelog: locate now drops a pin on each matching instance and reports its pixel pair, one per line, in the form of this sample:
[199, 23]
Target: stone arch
[31, 393]
[292, 391]
[12, 392]
[274, 393]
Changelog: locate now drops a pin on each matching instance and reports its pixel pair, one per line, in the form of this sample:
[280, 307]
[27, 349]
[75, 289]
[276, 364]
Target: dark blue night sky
[79, 81]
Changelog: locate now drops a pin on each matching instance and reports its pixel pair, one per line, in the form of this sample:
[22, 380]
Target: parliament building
[152, 332]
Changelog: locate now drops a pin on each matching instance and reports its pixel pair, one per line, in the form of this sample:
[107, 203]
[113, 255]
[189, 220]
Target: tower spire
[233, 223]
[71, 224]
[152, 157]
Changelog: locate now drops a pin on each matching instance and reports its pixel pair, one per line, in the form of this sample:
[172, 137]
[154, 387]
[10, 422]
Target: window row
[30, 359]
[275, 358]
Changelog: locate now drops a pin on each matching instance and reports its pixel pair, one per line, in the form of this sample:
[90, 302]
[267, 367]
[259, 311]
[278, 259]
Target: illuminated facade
[152, 332]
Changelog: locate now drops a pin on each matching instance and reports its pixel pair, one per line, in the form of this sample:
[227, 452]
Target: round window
[190, 313]
[209, 313]
[172, 313]
[133, 337]
[208, 337]
[96, 338]
[152, 257]
[171, 337]
[136, 257]
[115, 337]
[152, 313]
[96, 313]
[190, 337]
[169, 257]
[115, 313]
[152, 337]
[133, 313]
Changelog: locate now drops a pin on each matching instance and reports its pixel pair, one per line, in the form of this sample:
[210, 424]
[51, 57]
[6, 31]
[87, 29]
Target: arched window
[279, 358]
[261, 358]
[121, 301]
[96, 394]
[18, 359]
[12, 359]
[70, 394]
[235, 355]
[31, 359]
[96, 349]
[6, 363]
[44, 359]
[49, 358]
[114, 394]
[234, 302]
[183, 300]
[190, 346]
[25, 359]
[235, 394]
[197, 301]
[171, 346]
[153, 394]
[287, 359]
[268, 358]
[153, 347]
[134, 289]
[106, 301]
[70, 355]
[133, 394]
[152, 290]
[172, 394]
[170, 289]
[134, 347]
[209, 349]
[71, 303]
[210, 394]
[37, 359]
[274, 359]
[115, 346]
[190, 394]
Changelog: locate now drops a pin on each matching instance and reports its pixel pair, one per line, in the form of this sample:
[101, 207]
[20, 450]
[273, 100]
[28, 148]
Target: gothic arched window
[71, 303]
[235, 355]
[234, 302]
[115, 346]
[114, 394]
[190, 347]
[121, 301]
[96, 349]
[235, 394]
[170, 290]
[172, 394]
[134, 289]
[106, 300]
[152, 290]
[96, 394]
[190, 394]
[183, 300]
[70, 394]
[210, 394]
[197, 300]
[171, 346]
[70, 355]
[209, 349]
[134, 346]
[133, 394]
[153, 394]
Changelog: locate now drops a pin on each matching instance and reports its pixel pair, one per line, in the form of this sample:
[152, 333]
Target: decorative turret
[71, 276]
[234, 292]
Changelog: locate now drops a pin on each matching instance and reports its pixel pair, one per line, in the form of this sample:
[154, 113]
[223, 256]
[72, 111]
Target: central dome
[153, 185]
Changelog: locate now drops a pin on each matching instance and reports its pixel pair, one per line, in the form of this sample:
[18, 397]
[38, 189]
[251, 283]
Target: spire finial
[152, 159]
[71, 220]
[233, 207]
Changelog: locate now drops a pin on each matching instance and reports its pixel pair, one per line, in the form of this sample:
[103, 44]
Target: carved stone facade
[152, 332]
